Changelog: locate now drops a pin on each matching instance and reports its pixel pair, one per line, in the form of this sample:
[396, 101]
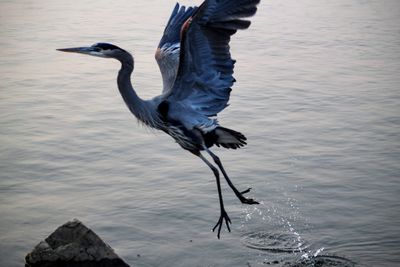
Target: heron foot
[248, 201]
[224, 216]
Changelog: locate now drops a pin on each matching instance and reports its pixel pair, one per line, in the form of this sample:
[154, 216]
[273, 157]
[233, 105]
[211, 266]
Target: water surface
[317, 96]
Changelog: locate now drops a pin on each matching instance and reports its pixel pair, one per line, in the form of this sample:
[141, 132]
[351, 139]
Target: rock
[73, 245]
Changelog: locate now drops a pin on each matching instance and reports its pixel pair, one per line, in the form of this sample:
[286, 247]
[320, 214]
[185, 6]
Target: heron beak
[83, 50]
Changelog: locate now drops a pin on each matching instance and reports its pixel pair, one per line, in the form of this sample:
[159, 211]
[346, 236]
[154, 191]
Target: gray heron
[197, 71]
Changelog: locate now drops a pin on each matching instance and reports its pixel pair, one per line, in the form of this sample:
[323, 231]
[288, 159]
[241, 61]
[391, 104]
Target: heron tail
[228, 138]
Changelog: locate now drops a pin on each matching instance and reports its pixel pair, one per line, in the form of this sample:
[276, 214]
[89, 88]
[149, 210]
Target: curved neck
[124, 83]
[136, 105]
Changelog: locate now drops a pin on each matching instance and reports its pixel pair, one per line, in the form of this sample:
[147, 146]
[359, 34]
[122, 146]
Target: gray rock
[73, 245]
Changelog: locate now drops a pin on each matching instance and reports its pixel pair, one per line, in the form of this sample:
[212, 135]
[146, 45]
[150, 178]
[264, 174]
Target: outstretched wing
[167, 53]
[205, 73]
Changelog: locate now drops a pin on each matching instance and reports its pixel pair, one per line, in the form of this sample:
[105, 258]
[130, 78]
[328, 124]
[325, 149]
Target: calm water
[317, 96]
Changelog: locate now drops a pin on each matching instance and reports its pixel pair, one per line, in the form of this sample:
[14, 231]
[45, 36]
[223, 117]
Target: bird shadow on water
[278, 240]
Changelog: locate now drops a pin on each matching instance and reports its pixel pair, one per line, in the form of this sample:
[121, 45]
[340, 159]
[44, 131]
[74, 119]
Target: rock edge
[73, 245]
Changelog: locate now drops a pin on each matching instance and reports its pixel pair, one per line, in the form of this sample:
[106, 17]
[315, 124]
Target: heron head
[98, 50]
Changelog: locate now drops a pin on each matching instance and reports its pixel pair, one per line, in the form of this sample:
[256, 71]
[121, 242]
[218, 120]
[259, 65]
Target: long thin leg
[244, 200]
[224, 215]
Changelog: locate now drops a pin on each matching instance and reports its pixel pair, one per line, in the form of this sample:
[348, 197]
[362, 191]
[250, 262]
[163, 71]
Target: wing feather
[168, 50]
[205, 74]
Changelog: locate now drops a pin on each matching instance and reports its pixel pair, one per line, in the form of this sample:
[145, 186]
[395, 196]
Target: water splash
[298, 237]
[281, 236]
[283, 244]
[310, 254]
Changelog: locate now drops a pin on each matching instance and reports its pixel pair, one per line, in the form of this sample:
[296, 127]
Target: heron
[197, 72]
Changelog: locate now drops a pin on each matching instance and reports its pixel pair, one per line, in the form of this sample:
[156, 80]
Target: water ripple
[274, 242]
[323, 261]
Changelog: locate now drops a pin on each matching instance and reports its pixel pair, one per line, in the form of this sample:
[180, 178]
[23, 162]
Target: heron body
[197, 70]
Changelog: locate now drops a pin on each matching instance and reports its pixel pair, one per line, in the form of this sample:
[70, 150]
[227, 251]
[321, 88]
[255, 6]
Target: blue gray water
[318, 96]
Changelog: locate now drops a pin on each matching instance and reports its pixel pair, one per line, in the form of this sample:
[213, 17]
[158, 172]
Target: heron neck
[135, 104]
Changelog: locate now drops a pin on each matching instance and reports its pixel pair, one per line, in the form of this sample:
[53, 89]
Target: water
[317, 96]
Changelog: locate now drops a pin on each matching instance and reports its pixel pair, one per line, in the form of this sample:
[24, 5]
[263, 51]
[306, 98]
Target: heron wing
[167, 53]
[205, 73]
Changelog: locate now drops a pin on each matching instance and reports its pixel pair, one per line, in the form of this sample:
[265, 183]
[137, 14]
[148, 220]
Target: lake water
[318, 97]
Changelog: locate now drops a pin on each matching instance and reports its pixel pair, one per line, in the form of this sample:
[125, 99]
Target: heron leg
[239, 194]
[224, 215]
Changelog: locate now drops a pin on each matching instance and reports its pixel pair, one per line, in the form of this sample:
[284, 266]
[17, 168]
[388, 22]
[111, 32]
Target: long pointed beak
[81, 50]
